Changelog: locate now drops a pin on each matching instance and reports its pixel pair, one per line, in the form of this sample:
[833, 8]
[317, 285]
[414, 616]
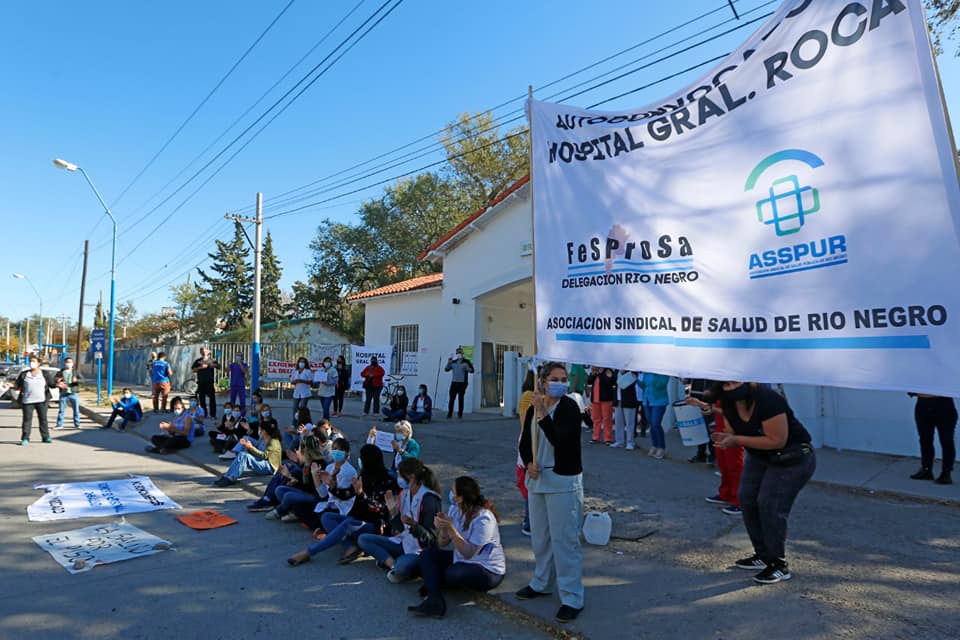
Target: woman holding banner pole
[550, 450]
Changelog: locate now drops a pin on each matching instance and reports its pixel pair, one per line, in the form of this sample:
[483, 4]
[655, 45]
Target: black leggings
[164, 441]
[338, 398]
[940, 415]
[439, 570]
[205, 392]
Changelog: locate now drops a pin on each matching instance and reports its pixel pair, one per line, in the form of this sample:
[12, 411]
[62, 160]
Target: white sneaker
[660, 454]
[290, 517]
[652, 451]
[395, 578]
[229, 455]
[616, 445]
[272, 515]
[630, 447]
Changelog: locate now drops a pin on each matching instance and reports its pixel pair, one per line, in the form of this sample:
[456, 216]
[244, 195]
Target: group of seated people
[393, 514]
[401, 407]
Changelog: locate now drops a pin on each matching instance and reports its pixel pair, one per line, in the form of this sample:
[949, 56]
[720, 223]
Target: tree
[944, 19]
[271, 301]
[126, 314]
[481, 163]
[99, 316]
[228, 292]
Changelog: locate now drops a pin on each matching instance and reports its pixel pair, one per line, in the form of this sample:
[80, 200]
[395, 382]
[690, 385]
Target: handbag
[789, 456]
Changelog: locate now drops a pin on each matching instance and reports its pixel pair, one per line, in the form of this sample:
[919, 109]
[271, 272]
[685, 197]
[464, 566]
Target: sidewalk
[854, 544]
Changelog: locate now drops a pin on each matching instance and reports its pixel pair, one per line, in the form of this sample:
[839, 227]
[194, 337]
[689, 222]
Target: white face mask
[34, 364]
[68, 365]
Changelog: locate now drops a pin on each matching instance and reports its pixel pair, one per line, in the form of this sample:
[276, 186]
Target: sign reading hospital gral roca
[791, 217]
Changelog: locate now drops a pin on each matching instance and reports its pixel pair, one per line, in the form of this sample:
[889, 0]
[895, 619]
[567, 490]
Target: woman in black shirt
[779, 463]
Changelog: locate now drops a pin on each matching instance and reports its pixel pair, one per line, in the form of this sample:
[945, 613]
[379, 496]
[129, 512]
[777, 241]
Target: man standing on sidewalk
[204, 367]
[34, 395]
[238, 383]
[461, 368]
[68, 381]
[160, 373]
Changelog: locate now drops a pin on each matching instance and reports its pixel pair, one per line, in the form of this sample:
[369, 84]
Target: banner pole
[534, 429]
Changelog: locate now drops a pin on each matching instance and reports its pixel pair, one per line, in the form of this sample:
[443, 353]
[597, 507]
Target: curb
[499, 604]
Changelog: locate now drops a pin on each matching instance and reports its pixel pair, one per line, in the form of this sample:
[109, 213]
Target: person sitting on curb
[371, 492]
[422, 408]
[198, 414]
[294, 477]
[127, 406]
[419, 505]
[333, 483]
[177, 434]
[476, 561]
[254, 461]
[397, 410]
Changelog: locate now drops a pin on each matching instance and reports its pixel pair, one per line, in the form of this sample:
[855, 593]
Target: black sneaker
[698, 458]
[567, 614]
[774, 573]
[715, 500]
[527, 593]
[260, 505]
[752, 563]
[944, 478]
[923, 474]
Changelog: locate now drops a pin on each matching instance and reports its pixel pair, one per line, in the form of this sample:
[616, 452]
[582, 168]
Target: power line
[246, 112]
[260, 118]
[203, 102]
[436, 147]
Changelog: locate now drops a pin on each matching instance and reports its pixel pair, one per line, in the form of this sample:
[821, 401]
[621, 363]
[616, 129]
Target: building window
[405, 338]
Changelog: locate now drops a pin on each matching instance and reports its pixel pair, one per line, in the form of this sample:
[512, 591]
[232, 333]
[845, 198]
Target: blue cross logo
[788, 204]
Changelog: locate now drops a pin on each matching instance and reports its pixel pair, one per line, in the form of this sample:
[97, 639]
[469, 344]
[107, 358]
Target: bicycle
[391, 383]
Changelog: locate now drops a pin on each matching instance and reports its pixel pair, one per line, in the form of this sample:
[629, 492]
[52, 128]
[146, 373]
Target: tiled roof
[413, 284]
[473, 217]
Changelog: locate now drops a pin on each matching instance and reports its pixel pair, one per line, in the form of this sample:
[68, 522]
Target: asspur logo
[786, 207]
[788, 204]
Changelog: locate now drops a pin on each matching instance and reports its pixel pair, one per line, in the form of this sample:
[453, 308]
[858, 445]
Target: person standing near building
[372, 376]
[204, 367]
[655, 400]
[343, 383]
[326, 379]
[603, 391]
[302, 378]
[460, 368]
[34, 395]
[935, 413]
[625, 409]
[238, 383]
[68, 382]
[554, 479]
[160, 374]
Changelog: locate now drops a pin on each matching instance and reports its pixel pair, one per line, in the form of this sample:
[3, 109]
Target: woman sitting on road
[177, 434]
[253, 460]
[422, 408]
[127, 407]
[302, 423]
[419, 505]
[196, 412]
[371, 492]
[294, 483]
[476, 561]
[404, 446]
[398, 405]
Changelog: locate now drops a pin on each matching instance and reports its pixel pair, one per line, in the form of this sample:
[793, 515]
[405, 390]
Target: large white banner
[791, 217]
[83, 549]
[361, 358]
[97, 499]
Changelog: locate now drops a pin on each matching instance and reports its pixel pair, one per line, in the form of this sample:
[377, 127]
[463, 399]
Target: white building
[484, 298]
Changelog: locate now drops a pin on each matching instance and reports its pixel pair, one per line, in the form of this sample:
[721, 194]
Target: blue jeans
[241, 394]
[340, 529]
[380, 548]
[439, 570]
[655, 418]
[418, 416]
[290, 497]
[325, 403]
[74, 401]
[246, 462]
[394, 415]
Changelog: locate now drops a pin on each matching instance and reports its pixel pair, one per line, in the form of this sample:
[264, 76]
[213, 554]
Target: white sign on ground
[98, 499]
[83, 549]
[792, 216]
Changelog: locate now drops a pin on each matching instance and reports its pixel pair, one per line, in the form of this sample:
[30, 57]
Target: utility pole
[83, 288]
[257, 244]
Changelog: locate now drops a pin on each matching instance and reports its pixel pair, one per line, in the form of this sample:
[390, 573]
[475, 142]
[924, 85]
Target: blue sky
[104, 84]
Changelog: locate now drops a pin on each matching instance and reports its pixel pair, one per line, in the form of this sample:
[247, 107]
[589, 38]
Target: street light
[69, 166]
[20, 276]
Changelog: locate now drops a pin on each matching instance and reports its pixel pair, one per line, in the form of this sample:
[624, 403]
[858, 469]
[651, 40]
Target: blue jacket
[654, 388]
[131, 408]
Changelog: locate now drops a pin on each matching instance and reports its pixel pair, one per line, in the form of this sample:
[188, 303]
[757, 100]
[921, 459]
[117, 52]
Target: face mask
[266, 414]
[402, 482]
[459, 357]
[359, 464]
[450, 495]
[327, 365]
[557, 389]
[193, 403]
[300, 365]
[127, 396]
[338, 456]
[373, 363]
[34, 364]
[68, 365]
[402, 392]
[423, 392]
[740, 393]
[398, 437]
[178, 411]
[328, 433]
